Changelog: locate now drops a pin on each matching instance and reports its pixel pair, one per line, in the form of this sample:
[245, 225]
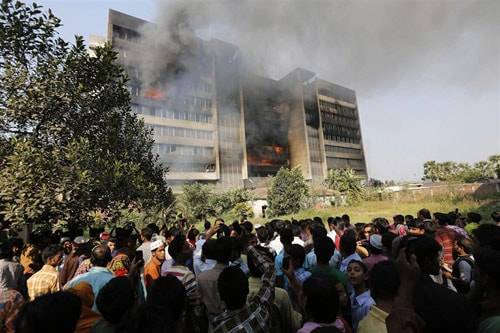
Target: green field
[368, 210]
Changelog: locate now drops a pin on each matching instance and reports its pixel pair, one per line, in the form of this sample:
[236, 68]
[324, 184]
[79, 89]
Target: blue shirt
[360, 305]
[97, 277]
[311, 260]
[301, 275]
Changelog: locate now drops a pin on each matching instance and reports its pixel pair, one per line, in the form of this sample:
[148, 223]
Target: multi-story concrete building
[215, 123]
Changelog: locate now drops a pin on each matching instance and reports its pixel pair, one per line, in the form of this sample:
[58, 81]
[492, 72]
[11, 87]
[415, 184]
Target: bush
[289, 192]
[346, 182]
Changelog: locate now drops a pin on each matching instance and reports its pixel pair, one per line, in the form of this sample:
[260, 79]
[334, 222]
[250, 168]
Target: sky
[426, 73]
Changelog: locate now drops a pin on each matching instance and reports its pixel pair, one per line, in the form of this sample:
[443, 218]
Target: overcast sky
[426, 73]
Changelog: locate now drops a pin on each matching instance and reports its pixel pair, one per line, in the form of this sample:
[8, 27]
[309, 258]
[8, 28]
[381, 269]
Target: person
[380, 225]
[321, 304]
[88, 317]
[114, 302]
[297, 256]
[376, 252]
[488, 268]
[112, 243]
[324, 249]
[384, 286]
[152, 270]
[207, 280]
[424, 214]
[286, 239]
[360, 297]
[399, 225]
[11, 302]
[240, 315]
[71, 261]
[332, 233]
[55, 313]
[462, 269]
[46, 280]
[181, 253]
[416, 228]
[204, 255]
[98, 275]
[146, 234]
[192, 236]
[445, 237]
[283, 317]
[442, 309]
[347, 221]
[11, 273]
[348, 250]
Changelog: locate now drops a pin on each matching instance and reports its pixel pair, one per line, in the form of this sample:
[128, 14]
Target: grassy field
[367, 210]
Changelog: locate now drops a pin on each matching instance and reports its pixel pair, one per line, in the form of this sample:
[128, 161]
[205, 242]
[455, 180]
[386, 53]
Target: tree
[346, 182]
[69, 143]
[195, 201]
[288, 193]
[462, 172]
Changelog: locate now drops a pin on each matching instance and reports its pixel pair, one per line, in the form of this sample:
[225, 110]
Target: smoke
[364, 44]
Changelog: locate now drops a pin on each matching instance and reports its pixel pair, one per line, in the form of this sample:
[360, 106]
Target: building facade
[215, 123]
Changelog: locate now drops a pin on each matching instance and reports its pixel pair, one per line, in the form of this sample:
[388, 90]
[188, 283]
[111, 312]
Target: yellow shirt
[43, 282]
[373, 322]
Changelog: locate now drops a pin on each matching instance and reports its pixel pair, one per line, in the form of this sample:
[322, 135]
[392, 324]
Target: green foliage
[346, 183]
[463, 172]
[289, 192]
[69, 142]
[198, 201]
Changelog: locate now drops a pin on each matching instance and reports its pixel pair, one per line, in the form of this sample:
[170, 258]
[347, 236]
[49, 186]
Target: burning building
[216, 123]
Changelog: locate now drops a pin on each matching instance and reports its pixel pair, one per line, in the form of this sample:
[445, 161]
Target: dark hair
[488, 235]
[409, 218]
[51, 251]
[324, 248]
[192, 234]
[55, 313]
[318, 220]
[115, 299]
[474, 217]
[381, 225]
[232, 285]
[262, 234]
[331, 220]
[399, 219]
[387, 240]
[425, 213]
[176, 246]
[488, 261]
[360, 264]
[322, 299]
[348, 244]
[346, 218]
[416, 224]
[298, 253]
[154, 228]
[384, 280]
[167, 292]
[223, 249]
[296, 230]
[465, 243]
[252, 267]
[147, 233]
[5, 250]
[326, 329]
[100, 256]
[441, 218]
[248, 226]
[424, 248]
[207, 225]
[318, 231]
[430, 227]
[113, 240]
[209, 249]
[286, 236]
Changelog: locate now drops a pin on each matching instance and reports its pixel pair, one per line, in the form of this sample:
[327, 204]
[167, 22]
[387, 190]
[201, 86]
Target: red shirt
[446, 237]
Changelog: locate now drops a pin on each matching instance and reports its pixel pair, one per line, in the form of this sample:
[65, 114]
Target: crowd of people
[430, 273]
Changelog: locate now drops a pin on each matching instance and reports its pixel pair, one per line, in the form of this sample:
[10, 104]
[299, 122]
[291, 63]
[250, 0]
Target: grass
[368, 210]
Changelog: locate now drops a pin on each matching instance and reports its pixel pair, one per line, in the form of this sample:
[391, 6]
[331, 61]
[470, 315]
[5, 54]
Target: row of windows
[166, 148]
[125, 33]
[181, 132]
[337, 109]
[337, 149]
[200, 102]
[339, 120]
[190, 167]
[171, 114]
[332, 132]
[343, 163]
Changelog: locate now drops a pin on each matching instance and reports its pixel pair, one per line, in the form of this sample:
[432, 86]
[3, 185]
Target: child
[361, 300]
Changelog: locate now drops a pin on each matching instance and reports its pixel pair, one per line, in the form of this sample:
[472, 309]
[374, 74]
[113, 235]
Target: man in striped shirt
[181, 252]
[46, 280]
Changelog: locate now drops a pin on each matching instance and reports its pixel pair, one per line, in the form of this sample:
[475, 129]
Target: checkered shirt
[43, 282]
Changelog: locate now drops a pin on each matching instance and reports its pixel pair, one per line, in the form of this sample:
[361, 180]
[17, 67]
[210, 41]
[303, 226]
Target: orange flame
[155, 94]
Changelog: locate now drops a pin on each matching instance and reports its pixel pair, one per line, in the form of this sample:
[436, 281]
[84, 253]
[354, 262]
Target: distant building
[217, 124]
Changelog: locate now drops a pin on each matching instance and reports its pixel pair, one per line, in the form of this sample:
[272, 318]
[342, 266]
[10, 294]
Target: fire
[278, 150]
[155, 94]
